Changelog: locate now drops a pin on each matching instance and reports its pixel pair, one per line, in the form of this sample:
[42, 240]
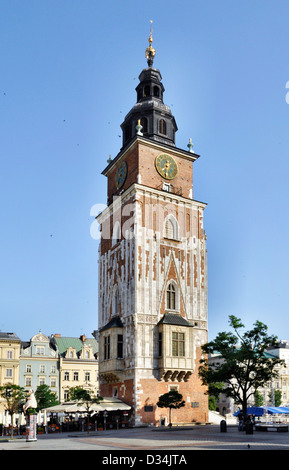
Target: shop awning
[261, 410]
[107, 404]
[112, 404]
[69, 407]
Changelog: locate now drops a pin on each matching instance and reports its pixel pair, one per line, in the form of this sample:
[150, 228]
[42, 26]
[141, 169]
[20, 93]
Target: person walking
[241, 420]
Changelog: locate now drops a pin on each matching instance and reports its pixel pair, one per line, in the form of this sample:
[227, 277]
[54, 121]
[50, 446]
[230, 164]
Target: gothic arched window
[171, 296]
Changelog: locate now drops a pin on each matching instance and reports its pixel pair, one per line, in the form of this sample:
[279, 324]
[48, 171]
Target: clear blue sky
[68, 74]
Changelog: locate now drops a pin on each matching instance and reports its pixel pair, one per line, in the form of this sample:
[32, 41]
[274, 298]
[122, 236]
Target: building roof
[65, 342]
[115, 322]
[9, 336]
[173, 319]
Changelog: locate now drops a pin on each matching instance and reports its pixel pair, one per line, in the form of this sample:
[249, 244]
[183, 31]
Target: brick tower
[152, 316]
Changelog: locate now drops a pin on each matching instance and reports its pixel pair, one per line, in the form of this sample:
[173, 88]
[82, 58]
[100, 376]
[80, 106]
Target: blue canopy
[279, 409]
[253, 410]
[260, 410]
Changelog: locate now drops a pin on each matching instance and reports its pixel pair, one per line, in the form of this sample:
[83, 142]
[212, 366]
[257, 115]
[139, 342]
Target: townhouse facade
[10, 345]
[282, 383]
[56, 361]
[78, 364]
[39, 364]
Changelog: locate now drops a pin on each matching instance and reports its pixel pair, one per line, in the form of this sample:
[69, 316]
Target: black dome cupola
[150, 117]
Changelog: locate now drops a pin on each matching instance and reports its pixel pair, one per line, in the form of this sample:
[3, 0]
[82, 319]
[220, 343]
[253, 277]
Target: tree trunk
[245, 406]
[11, 426]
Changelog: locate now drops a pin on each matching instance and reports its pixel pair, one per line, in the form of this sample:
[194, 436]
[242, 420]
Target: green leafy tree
[258, 399]
[45, 397]
[14, 397]
[85, 398]
[212, 403]
[171, 400]
[244, 367]
[214, 394]
[276, 397]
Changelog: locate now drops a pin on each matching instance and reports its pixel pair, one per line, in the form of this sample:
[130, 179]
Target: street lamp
[105, 414]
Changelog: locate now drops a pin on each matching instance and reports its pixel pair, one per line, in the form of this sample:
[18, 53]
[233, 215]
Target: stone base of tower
[143, 394]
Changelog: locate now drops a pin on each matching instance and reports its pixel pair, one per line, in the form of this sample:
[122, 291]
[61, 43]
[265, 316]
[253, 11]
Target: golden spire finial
[150, 51]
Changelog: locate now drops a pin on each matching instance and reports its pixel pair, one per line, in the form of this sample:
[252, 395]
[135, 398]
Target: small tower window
[127, 133]
[144, 123]
[147, 90]
[162, 126]
[156, 91]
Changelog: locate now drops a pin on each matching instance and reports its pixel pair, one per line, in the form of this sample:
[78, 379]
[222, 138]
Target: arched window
[171, 228]
[156, 91]
[144, 123]
[116, 235]
[147, 90]
[171, 296]
[162, 127]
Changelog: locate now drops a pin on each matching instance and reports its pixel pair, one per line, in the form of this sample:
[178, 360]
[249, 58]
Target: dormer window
[70, 353]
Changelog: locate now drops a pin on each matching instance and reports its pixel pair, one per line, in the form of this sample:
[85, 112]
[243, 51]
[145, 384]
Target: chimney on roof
[57, 335]
[82, 337]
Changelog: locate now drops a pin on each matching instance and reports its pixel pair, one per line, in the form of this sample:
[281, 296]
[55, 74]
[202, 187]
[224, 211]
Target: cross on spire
[150, 51]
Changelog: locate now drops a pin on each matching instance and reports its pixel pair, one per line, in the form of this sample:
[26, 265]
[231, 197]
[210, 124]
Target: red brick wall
[140, 159]
[148, 392]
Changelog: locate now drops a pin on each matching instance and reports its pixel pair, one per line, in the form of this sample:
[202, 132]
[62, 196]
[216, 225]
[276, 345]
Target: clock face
[120, 176]
[166, 166]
